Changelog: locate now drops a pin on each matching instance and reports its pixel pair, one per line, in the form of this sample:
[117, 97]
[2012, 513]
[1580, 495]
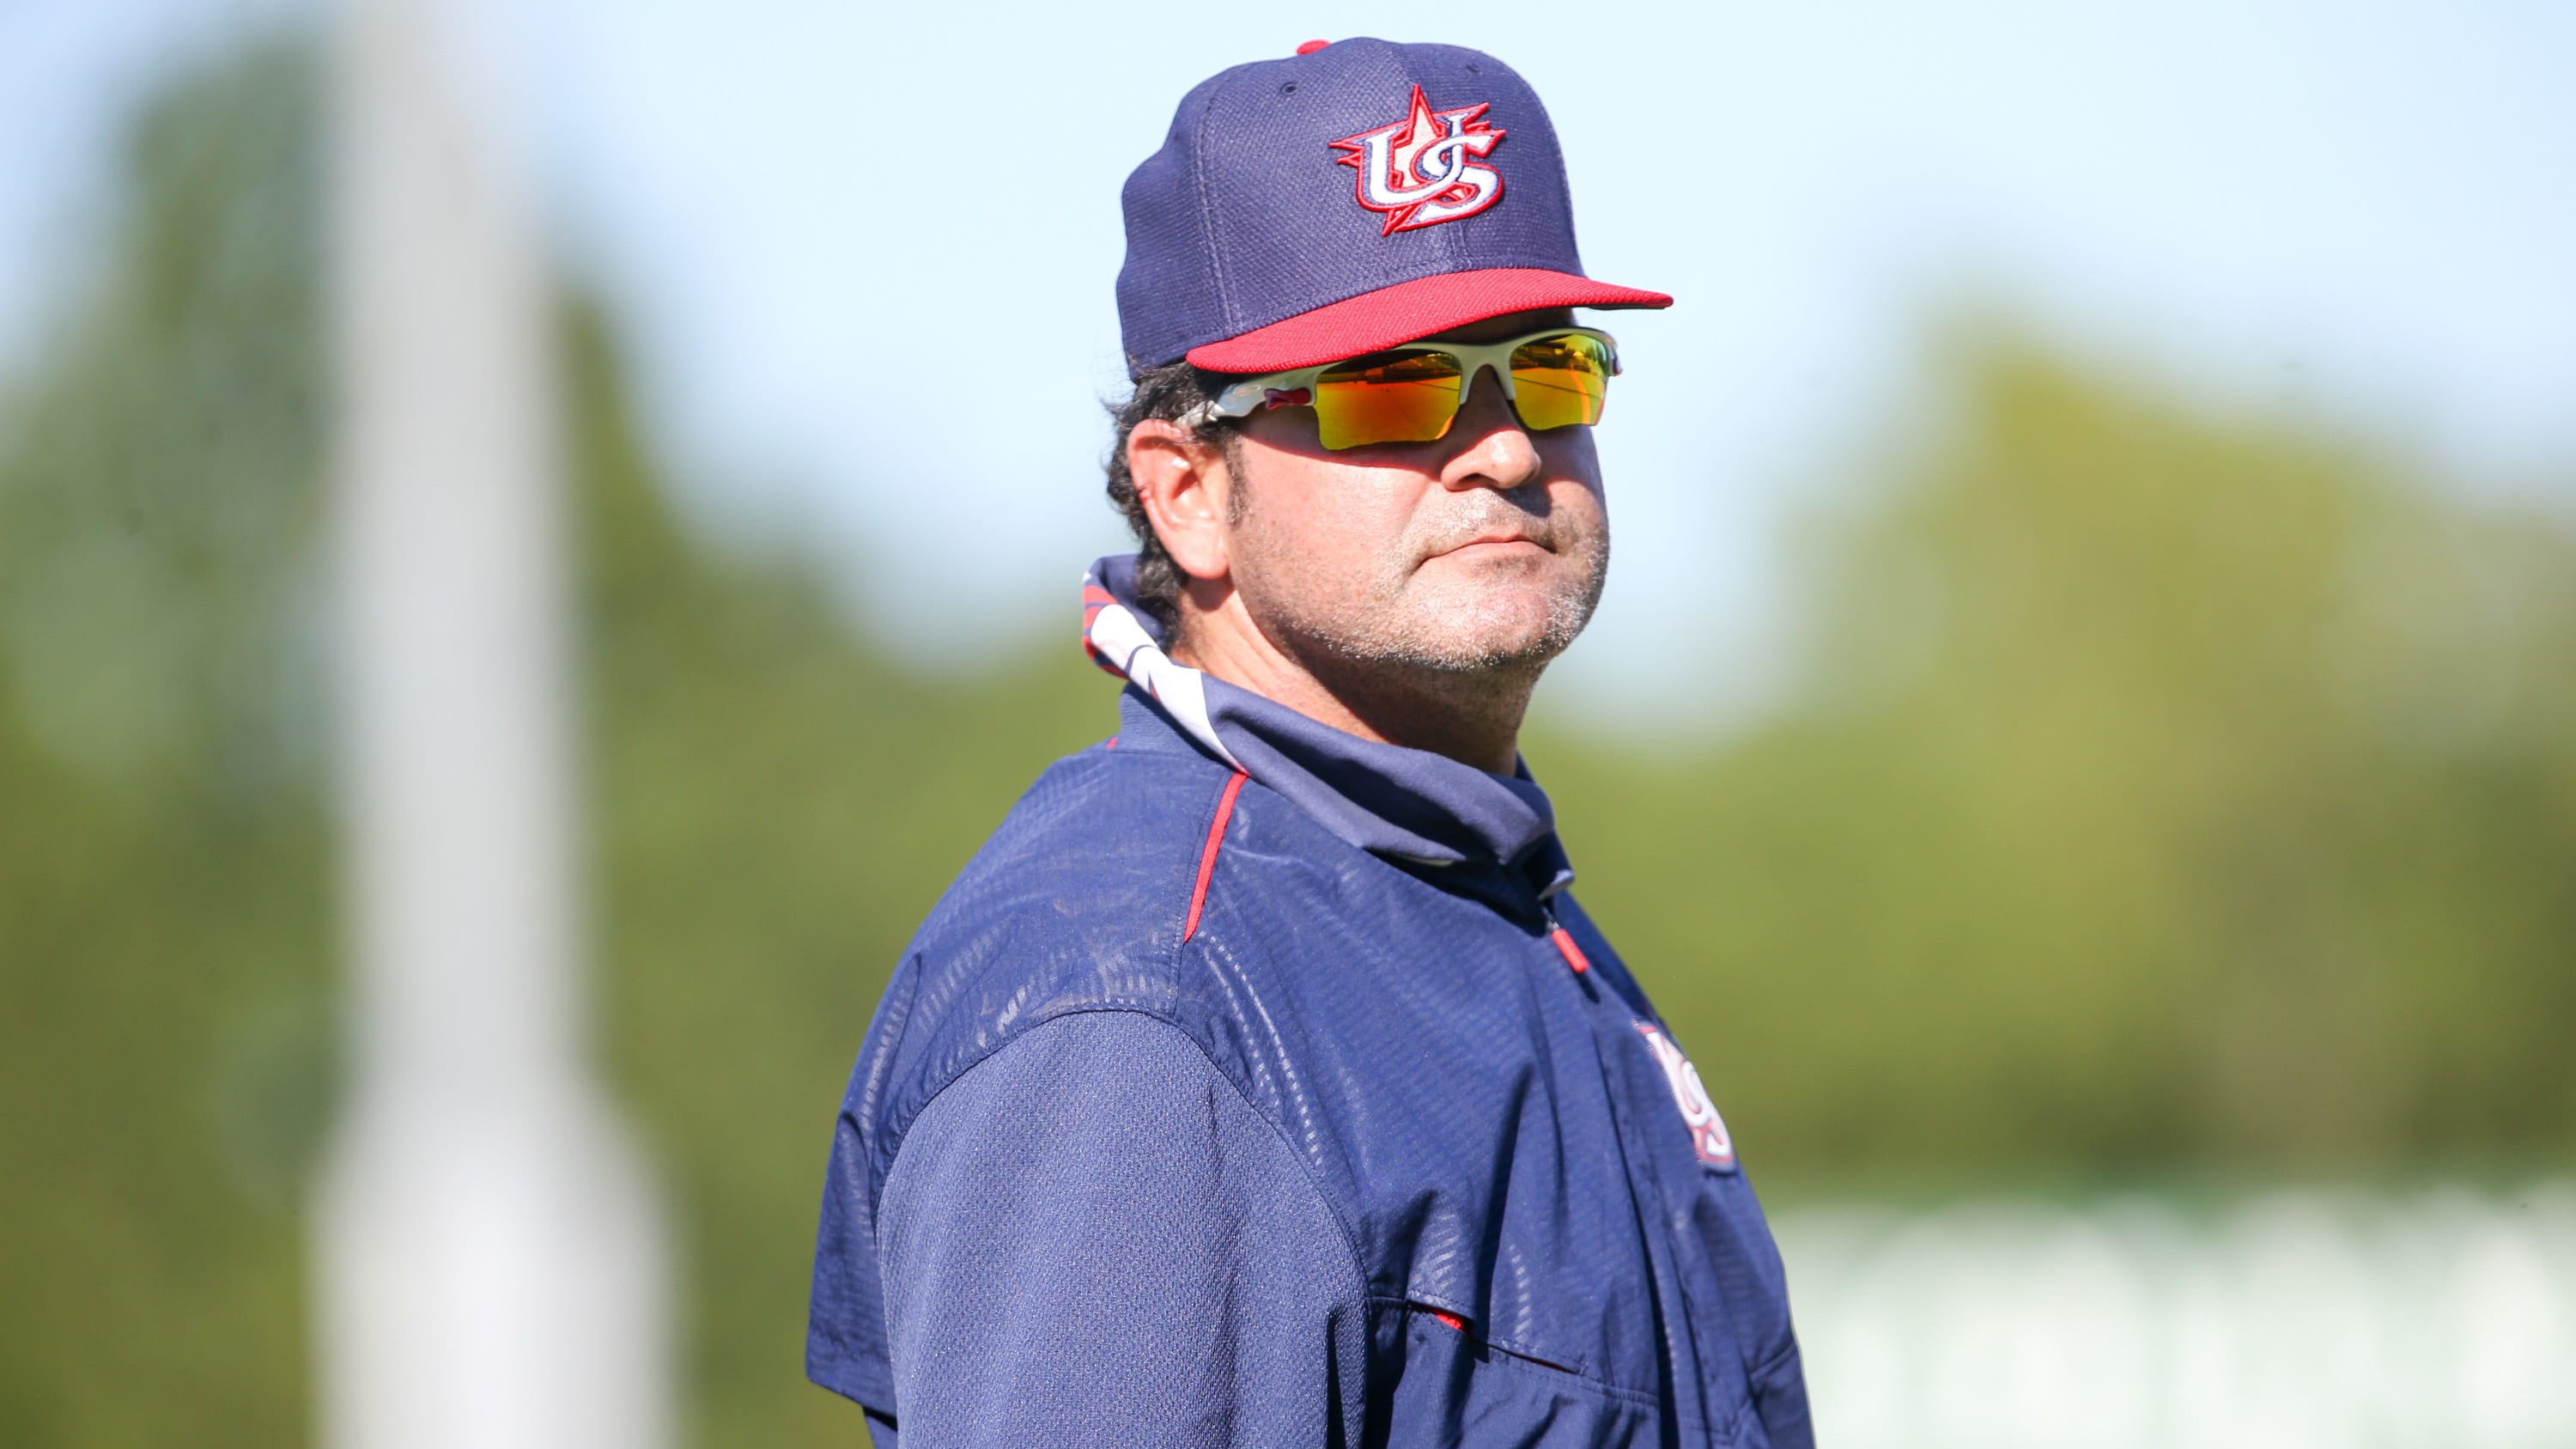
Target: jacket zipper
[1564, 940]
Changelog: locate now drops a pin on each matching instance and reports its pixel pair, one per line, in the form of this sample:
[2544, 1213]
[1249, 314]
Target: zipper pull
[1564, 940]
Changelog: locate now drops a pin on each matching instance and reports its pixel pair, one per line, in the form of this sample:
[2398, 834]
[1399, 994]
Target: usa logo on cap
[1419, 171]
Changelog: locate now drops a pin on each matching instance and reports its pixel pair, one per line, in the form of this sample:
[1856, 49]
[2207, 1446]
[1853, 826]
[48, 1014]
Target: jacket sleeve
[1092, 1238]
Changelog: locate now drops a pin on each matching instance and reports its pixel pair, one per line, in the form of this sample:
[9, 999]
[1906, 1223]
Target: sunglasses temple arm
[1239, 400]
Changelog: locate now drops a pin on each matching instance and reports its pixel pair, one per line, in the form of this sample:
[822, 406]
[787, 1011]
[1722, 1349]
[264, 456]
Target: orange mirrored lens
[1399, 397]
[1561, 381]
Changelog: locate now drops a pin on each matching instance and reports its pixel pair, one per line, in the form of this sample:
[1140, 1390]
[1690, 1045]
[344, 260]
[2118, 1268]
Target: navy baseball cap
[1351, 197]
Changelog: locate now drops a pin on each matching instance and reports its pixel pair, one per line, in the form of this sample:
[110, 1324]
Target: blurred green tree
[164, 916]
[2166, 788]
[775, 806]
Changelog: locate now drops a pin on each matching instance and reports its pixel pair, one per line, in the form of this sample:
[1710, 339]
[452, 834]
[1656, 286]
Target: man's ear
[1184, 485]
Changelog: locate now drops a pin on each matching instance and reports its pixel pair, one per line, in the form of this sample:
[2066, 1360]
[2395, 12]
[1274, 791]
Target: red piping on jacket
[1207, 856]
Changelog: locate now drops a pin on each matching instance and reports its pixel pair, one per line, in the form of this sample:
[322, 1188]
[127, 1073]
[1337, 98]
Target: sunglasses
[1554, 379]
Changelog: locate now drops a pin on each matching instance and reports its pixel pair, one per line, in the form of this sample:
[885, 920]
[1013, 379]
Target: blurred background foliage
[2168, 791]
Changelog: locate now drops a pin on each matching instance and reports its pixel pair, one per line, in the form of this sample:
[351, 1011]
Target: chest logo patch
[1423, 170]
[1707, 1129]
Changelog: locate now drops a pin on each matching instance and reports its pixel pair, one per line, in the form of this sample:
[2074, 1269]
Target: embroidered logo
[1422, 170]
[1707, 1129]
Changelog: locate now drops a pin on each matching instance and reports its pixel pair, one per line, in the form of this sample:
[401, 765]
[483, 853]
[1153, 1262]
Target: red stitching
[1484, 1345]
[1207, 856]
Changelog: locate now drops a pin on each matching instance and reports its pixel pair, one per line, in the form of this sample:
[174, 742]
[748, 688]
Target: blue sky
[2365, 211]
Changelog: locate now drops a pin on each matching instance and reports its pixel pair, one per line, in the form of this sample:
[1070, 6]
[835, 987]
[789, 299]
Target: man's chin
[1503, 638]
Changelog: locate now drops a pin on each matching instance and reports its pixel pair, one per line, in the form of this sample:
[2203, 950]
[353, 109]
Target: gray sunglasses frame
[1251, 395]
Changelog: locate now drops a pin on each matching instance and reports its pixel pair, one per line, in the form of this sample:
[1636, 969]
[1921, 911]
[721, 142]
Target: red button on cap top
[1310, 47]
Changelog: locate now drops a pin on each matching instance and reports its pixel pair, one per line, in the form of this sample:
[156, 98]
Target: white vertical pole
[489, 1256]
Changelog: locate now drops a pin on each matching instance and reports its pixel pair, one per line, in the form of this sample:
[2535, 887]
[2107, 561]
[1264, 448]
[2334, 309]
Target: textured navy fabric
[1487, 1129]
[1192, 1261]
[1245, 217]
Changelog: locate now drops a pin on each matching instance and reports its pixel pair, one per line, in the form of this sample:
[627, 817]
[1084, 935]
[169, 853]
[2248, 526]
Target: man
[1260, 1082]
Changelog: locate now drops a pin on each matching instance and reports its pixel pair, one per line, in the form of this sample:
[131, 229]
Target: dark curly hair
[1163, 393]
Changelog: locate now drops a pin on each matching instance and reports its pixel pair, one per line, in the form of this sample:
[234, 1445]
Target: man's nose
[1497, 451]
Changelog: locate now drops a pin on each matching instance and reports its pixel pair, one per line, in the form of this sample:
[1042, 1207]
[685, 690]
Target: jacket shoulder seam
[1305, 1169]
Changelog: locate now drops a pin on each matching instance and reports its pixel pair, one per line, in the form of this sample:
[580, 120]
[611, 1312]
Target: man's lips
[1489, 543]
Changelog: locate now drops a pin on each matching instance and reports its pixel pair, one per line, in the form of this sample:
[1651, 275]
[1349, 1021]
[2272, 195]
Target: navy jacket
[1256, 1084]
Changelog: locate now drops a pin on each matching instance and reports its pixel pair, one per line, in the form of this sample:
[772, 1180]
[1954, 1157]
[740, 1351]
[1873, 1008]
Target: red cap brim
[1407, 312]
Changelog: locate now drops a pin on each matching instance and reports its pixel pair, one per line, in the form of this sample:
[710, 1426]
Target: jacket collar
[1412, 805]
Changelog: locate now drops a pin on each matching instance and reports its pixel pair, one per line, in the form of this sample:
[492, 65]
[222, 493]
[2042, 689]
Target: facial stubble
[1471, 626]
